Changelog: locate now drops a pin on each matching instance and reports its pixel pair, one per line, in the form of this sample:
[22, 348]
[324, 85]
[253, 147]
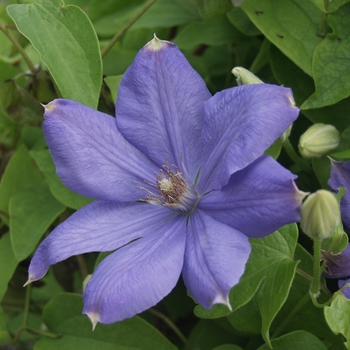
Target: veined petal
[215, 259]
[137, 276]
[337, 266]
[91, 156]
[239, 125]
[346, 291]
[257, 200]
[340, 177]
[98, 227]
[159, 106]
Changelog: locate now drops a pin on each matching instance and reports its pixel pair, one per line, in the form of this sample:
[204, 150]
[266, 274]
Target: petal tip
[30, 280]
[156, 44]
[94, 318]
[222, 299]
[49, 107]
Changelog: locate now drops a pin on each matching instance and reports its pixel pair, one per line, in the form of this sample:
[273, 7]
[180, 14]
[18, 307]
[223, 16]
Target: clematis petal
[337, 266]
[137, 276]
[159, 106]
[215, 259]
[91, 156]
[239, 125]
[99, 226]
[257, 200]
[340, 177]
[346, 291]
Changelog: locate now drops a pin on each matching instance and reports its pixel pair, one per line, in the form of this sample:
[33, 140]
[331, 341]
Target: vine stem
[125, 28]
[296, 159]
[315, 284]
[166, 320]
[310, 278]
[18, 47]
[82, 266]
[262, 57]
[25, 326]
[26, 313]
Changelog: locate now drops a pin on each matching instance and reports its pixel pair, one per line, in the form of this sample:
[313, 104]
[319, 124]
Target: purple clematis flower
[340, 177]
[180, 180]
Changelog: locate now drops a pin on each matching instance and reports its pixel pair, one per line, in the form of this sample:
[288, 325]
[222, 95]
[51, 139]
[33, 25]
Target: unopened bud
[318, 140]
[245, 77]
[320, 215]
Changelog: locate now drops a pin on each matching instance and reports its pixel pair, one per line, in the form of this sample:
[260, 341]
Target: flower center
[173, 191]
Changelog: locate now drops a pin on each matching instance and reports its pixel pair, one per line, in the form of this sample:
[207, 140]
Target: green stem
[35, 331]
[296, 159]
[25, 316]
[126, 27]
[262, 57]
[310, 278]
[82, 266]
[41, 332]
[27, 305]
[323, 21]
[18, 47]
[315, 284]
[4, 214]
[287, 319]
[171, 325]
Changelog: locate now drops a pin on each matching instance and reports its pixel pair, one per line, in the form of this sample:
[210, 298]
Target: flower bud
[320, 215]
[318, 140]
[245, 77]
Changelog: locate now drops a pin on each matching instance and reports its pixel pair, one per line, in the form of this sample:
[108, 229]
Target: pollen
[165, 185]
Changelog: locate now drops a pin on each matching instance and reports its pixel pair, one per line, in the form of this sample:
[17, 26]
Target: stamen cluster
[173, 191]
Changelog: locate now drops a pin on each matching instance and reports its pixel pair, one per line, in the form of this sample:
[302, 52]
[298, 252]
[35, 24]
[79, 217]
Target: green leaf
[113, 85]
[242, 22]
[329, 6]
[275, 149]
[31, 213]
[68, 46]
[298, 312]
[7, 70]
[209, 9]
[228, 347]
[4, 335]
[295, 341]
[270, 269]
[46, 292]
[63, 315]
[322, 169]
[216, 32]
[32, 137]
[20, 174]
[344, 155]
[163, 13]
[21, 106]
[277, 21]
[337, 316]
[208, 334]
[330, 70]
[8, 129]
[288, 74]
[66, 196]
[8, 263]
